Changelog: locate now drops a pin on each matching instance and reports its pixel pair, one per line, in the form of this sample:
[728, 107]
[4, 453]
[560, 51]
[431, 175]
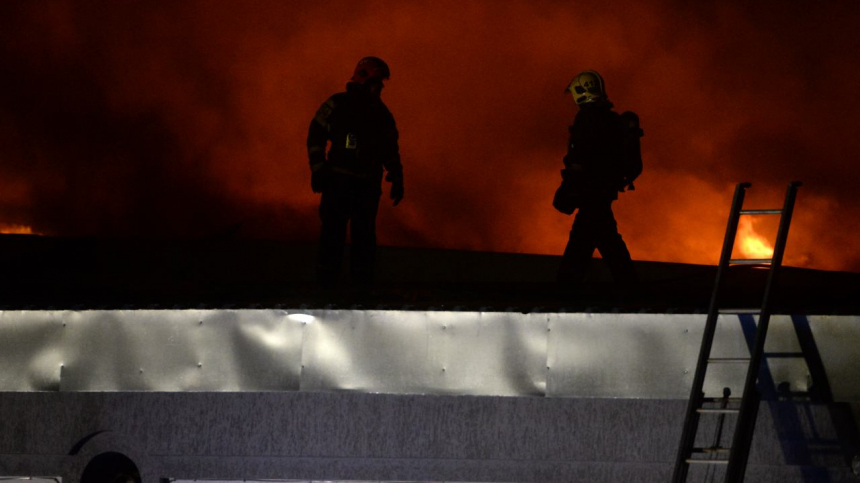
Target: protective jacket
[362, 133]
[603, 153]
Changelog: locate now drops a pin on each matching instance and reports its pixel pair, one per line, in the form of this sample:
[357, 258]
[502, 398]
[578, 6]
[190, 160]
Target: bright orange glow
[16, 229]
[750, 243]
[189, 119]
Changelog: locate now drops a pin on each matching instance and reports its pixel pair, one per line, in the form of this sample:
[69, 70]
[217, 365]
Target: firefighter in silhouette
[362, 142]
[603, 159]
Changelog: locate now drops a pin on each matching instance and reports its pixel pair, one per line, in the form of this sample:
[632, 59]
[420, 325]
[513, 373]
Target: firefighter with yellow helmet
[603, 159]
[362, 141]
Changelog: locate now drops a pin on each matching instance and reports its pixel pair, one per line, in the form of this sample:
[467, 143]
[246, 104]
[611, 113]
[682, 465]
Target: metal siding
[838, 340]
[30, 350]
[621, 355]
[404, 352]
[400, 352]
[173, 350]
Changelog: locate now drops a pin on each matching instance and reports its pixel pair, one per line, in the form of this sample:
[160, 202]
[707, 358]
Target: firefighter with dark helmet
[603, 159]
[361, 136]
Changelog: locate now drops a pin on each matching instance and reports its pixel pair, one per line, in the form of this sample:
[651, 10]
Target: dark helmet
[370, 68]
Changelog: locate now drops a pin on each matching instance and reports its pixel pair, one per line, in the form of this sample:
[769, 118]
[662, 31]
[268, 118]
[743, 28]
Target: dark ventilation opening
[111, 468]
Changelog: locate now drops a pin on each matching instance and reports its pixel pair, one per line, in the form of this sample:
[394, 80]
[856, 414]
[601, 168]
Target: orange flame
[16, 229]
[750, 243]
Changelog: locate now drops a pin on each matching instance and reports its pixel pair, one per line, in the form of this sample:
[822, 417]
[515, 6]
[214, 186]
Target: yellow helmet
[587, 87]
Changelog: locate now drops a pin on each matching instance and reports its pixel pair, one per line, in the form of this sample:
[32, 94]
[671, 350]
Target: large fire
[189, 119]
[750, 243]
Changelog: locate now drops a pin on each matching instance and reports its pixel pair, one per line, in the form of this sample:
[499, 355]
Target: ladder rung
[729, 360]
[739, 311]
[761, 212]
[784, 355]
[707, 462]
[711, 450]
[717, 411]
[720, 399]
[751, 261]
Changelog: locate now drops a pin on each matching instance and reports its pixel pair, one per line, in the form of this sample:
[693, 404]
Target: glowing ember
[16, 229]
[750, 243]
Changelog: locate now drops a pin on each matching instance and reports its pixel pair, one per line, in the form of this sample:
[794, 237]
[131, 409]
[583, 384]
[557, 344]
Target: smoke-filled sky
[188, 119]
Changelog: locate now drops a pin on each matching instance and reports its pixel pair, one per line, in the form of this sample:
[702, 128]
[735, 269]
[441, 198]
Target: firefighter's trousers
[595, 228]
[354, 202]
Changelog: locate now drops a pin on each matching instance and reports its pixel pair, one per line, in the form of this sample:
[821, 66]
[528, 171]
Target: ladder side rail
[779, 246]
[691, 419]
[743, 432]
[749, 403]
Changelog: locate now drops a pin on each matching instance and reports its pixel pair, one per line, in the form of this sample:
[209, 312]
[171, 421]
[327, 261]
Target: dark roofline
[83, 273]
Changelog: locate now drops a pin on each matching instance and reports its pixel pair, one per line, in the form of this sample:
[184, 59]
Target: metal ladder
[748, 402]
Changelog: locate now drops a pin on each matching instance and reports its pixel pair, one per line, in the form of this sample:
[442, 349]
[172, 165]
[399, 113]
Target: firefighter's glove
[396, 187]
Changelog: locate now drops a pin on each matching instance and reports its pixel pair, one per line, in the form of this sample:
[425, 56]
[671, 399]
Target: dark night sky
[189, 119]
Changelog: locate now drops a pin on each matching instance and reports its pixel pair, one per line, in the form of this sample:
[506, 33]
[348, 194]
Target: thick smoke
[188, 119]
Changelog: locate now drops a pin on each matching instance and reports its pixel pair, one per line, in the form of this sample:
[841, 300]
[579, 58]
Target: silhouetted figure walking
[603, 158]
[362, 139]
